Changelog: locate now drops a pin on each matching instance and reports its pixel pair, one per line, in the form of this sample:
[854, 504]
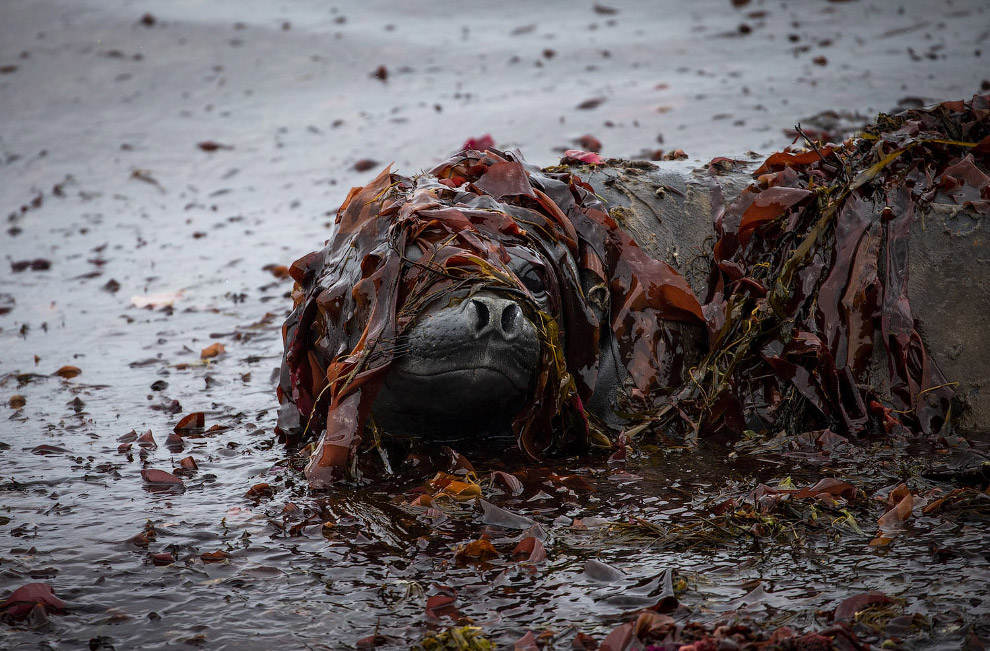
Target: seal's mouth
[472, 363]
[474, 376]
[483, 375]
[460, 390]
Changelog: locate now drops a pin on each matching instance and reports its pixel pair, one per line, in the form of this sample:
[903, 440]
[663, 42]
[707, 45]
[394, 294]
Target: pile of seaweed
[806, 303]
[465, 221]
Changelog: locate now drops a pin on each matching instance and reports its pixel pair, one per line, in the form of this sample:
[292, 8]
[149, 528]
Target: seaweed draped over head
[468, 216]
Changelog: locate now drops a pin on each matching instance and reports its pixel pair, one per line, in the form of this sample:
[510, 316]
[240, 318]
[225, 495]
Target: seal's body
[488, 300]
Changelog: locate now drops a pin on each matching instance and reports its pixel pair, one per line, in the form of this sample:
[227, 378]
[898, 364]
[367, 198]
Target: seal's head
[471, 304]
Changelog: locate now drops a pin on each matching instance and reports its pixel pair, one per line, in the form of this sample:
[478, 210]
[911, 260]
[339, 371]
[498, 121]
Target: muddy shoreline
[156, 166]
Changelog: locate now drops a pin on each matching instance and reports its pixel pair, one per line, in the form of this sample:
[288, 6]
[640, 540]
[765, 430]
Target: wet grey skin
[463, 372]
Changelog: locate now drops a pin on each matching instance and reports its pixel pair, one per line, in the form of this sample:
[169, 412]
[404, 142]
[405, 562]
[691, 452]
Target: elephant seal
[488, 300]
[477, 302]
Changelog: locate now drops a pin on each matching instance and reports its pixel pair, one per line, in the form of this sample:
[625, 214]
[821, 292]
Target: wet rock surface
[158, 170]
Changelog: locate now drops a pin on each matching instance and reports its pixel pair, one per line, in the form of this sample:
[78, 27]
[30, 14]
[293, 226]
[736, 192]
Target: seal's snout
[491, 316]
[485, 334]
[481, 355]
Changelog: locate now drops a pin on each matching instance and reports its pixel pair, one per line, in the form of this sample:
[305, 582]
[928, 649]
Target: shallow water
[100, 174]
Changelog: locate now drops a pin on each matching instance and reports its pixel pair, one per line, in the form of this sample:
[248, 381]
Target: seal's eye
[533, 281]
[533, 273]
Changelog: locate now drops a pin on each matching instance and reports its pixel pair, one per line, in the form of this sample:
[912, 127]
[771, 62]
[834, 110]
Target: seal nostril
[510, 316]
[481, 314]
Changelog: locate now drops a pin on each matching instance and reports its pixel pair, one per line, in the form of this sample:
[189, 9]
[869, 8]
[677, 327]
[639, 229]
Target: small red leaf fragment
[619, 639]
[576, 483]
[147, 440]
[900, 502]
[455, 487]
[214, 557]
[211, 146]
[213, 350]
[174, 442]
[68, 372]
[577, 155]
[259, 490]
[188, 463]
[145, 537]
[192, 421]
[374, 641]
[475, 551]
[39, 264]
[154, 476]
[848, 608]
[280, 271]
[896, 495]
[590, 143]
[780, 160]
[130, 437]
[937, 505]
[441, 605]
[530, 550]
[526, 643]
[365, 164]
[829, 486]
[46, 449]
[24, 599]
[510, 482]
[422, 500]
[589, 104]
[481, 144]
